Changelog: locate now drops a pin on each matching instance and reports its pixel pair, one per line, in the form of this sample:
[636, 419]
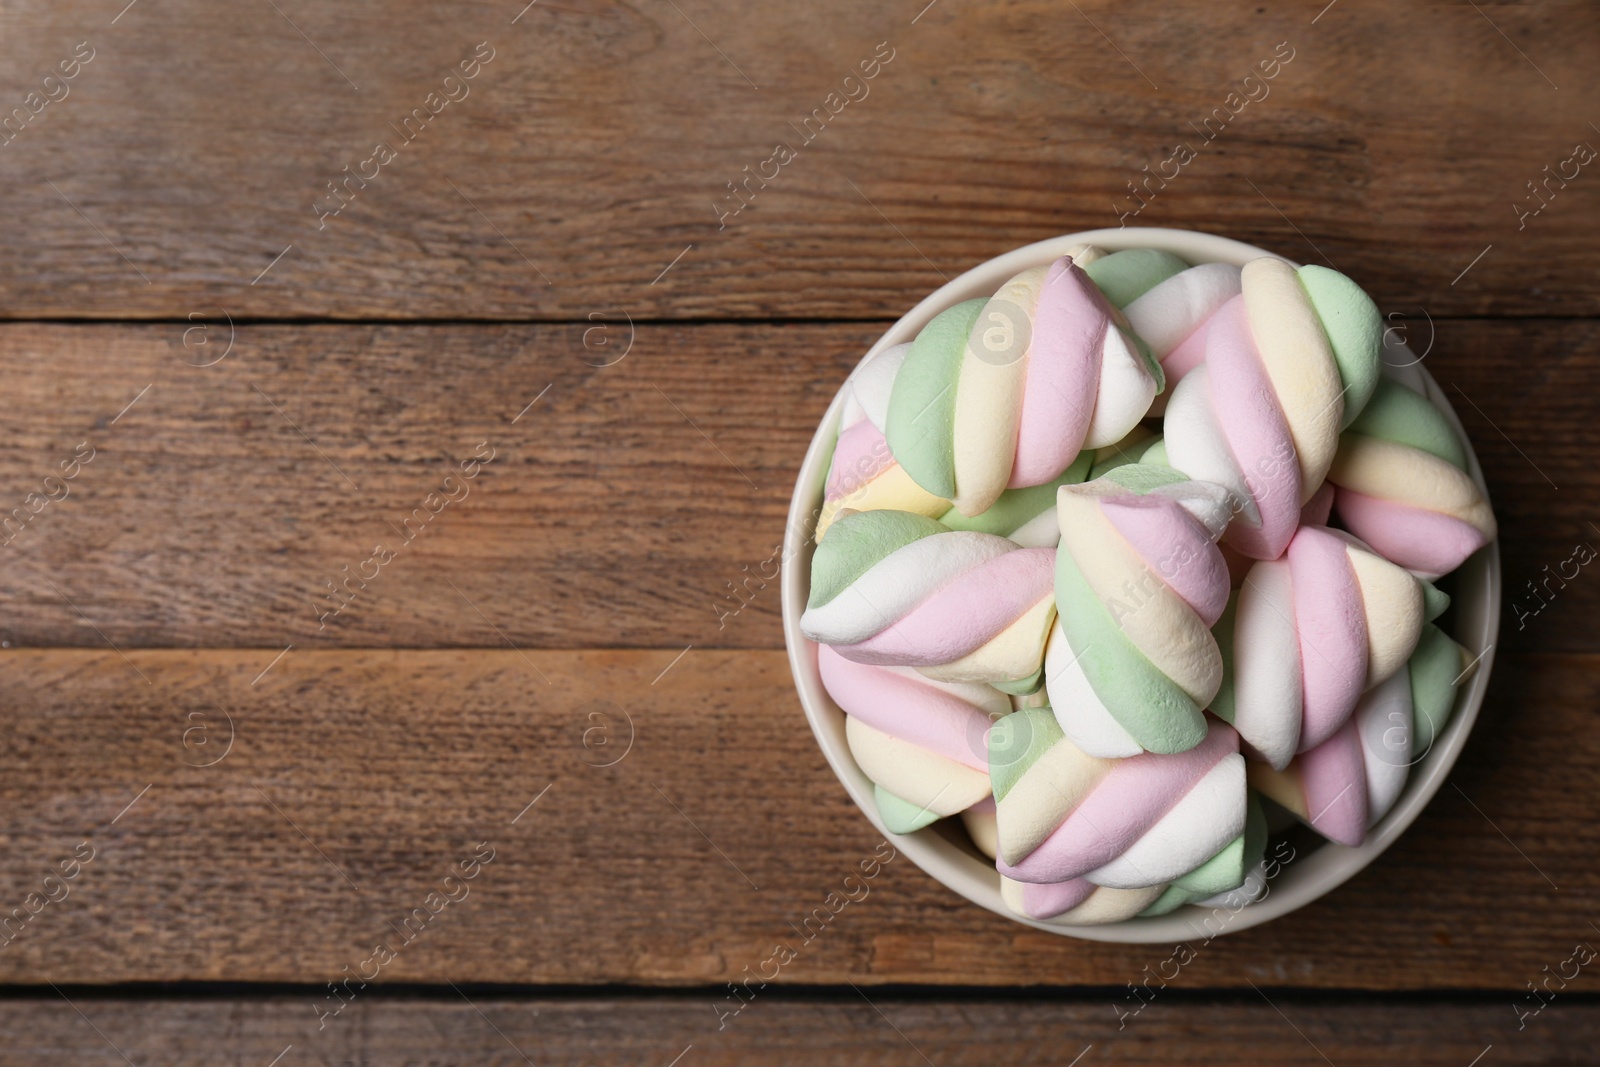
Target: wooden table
[260, 365]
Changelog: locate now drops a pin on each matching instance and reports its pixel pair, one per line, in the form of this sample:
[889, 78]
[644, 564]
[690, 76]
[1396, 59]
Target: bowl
[943, 852]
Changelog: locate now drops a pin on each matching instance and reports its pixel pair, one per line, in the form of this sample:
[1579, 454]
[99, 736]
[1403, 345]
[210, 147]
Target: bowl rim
[1303, 880]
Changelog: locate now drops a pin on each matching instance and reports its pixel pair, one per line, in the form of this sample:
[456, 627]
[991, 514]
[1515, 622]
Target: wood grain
[774, 1029]
[358, 780]
[545, 685]
[619, 508]
[594, 149]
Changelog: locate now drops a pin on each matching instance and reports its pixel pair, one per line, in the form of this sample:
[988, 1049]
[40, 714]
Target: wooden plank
[598, 145]
[611, 513]
[359, 780]
[774, 1029]
[619, 508]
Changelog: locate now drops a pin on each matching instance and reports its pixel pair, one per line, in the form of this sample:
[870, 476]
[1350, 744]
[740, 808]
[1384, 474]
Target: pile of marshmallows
[1100, 638]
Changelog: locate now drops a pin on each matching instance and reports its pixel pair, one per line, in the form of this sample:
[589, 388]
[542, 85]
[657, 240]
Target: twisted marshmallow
[1288, 363]
[1026, 516]
[863, 474]
[896, 589]
[1126, 275]
[1403, 487]
[1308, 634]
[1172, 317]
[921, 742]
[1350, 781]
[1006, 392]
[1078, 902]
[1139, 582]
[1223, 873]
[1064, 815]
[1075, 903]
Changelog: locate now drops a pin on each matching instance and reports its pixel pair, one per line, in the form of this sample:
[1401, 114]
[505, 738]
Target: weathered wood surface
[543, 270]
[617, 510]
[473, 1028]
[597, 144]
[358, 780]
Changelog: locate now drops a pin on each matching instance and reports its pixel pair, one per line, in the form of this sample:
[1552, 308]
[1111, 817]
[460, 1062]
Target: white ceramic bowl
[941, 850]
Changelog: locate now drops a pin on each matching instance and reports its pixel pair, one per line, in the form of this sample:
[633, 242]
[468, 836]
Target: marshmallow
[1174, 316]
[1348, 783]
[1136, 823]
[921, 742]
[1288, 364]
[896, 589]
[1005, 392]
[1132, 662]
[1403, 485]
[1308, 634]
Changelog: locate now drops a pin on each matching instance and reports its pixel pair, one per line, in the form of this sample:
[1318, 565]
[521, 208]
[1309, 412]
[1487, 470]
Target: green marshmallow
[1222, 873]
[1355, 330]
[1222, 705]
[1396, 413]
[858, 541]
[1435, 669]
[1016, 507]
[922, 403]
[1159, 715]
[901, 816]
[1435, 601]
[1021, 687]
[1016, 742]
[1127, 275]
